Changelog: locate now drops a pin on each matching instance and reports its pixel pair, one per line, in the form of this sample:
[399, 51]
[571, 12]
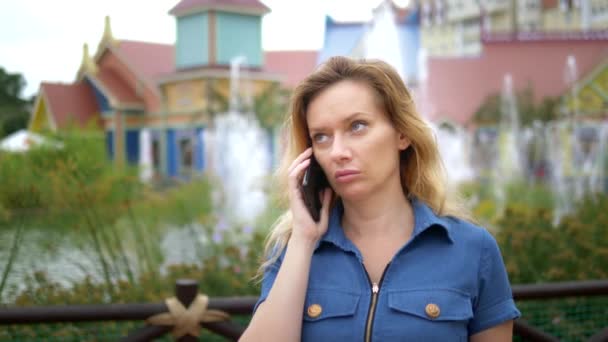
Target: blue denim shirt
[447, 283]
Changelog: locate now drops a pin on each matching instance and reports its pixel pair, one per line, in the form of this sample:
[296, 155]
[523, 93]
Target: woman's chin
[353, 194]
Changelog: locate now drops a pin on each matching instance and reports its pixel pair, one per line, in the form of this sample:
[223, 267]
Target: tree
[14, 112]
[490, 111]
[271, 106]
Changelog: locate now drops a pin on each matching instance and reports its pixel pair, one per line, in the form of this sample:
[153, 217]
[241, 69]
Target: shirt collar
[424, 219]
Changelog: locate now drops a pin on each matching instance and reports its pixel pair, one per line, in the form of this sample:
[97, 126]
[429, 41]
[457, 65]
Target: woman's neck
[379, 216]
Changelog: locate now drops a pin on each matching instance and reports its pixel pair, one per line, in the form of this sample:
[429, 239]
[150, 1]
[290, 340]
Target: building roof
[70, 103]
[409, 36]
[118, 89]
[458, 86]
[294, 65]
[340, 38]
[149, 60]
[189, 6]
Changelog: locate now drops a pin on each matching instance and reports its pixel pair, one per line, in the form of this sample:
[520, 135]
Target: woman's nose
[340, 149]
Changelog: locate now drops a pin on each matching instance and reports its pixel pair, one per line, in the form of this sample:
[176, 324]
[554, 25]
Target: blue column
[172, 154]
[199, 148]
[132, 142]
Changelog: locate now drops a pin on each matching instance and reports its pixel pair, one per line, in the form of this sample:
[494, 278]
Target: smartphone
[313, 182]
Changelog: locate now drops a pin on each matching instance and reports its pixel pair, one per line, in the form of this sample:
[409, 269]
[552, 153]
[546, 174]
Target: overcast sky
[42, 39]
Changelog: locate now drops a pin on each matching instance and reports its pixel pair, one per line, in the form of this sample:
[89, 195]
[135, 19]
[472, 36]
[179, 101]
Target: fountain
[510, 152]
[569, 153]
[454, 141]
[576, 152]
[240, 152]
[510, 163]
[145, 156]
[382, 38]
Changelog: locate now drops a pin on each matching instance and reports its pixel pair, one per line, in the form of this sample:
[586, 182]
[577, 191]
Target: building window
[185, 146]
[439, 12]
[184, 95]
[156, 154]
[426, 14]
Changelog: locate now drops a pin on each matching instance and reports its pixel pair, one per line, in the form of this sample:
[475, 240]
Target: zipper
[372, 305]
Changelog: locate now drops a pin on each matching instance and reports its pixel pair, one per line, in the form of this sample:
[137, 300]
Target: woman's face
[353, 140]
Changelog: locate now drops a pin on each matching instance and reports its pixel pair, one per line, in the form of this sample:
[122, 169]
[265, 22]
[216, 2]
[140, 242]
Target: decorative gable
[591, 95]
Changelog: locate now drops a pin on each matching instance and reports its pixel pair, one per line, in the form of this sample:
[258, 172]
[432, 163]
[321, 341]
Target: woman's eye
[319, 138]
[358, 126]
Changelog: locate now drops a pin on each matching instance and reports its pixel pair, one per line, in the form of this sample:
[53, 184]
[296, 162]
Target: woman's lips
[343, 176]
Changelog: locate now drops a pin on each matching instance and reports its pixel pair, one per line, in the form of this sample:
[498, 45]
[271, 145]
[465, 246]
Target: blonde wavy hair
[422, 172]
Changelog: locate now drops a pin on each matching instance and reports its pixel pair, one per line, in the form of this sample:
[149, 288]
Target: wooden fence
[186, 292]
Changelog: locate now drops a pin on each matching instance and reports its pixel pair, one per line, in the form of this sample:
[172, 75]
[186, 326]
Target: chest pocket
[329, 314]
[432, 314]
[323, 304]
[432, 304]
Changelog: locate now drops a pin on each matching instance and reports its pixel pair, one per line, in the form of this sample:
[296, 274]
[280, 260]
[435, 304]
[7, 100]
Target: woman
[391, 257]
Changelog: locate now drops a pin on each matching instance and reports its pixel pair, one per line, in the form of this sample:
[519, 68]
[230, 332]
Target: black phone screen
[313, 182]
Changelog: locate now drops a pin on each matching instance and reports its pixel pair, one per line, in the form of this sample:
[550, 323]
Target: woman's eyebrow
[349, 118]
[355, 115]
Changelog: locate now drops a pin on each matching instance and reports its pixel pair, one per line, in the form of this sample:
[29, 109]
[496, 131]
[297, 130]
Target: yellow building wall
[192, 96]
[501, 22]
[599, 13]
[186, 96]
[590, 102]
[592, 99]
[40, 119]
[602, 78]
[556, 20]
[439, 40]
[222, 87]
[462, 9]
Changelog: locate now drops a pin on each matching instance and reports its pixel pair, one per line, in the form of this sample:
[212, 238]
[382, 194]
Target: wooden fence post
[186, 291]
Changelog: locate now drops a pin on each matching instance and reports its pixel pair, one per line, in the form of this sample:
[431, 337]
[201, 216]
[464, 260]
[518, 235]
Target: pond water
[67, 258]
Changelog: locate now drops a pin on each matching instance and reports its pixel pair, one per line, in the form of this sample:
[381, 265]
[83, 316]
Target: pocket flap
[432, 304]
[321, 304]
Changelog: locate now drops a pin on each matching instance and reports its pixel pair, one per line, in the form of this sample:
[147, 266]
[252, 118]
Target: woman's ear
[403, 142]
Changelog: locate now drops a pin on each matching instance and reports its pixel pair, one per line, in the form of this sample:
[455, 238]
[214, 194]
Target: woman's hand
[304, 227]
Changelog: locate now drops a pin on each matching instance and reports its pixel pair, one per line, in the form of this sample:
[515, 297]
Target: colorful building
[349, 39]
[456, 27]
[456, 84]
[589, 98]
[162, 98]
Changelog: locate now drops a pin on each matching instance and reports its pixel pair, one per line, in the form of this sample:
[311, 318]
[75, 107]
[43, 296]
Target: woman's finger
[294, 176]
[306, 154]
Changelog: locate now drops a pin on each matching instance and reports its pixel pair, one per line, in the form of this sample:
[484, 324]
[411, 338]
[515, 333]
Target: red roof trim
[192, 6]
[536, 37]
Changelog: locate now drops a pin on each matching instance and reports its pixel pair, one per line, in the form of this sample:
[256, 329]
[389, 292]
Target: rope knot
[186, 321]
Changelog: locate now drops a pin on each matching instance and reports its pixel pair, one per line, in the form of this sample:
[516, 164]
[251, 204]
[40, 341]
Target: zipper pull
[375, 288]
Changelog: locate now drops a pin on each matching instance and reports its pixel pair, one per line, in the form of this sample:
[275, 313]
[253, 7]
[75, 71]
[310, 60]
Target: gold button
[432, 310]
[314, 310]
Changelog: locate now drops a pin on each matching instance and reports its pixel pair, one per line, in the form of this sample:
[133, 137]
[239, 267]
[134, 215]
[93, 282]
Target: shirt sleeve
[270, 274]
[495, 303]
